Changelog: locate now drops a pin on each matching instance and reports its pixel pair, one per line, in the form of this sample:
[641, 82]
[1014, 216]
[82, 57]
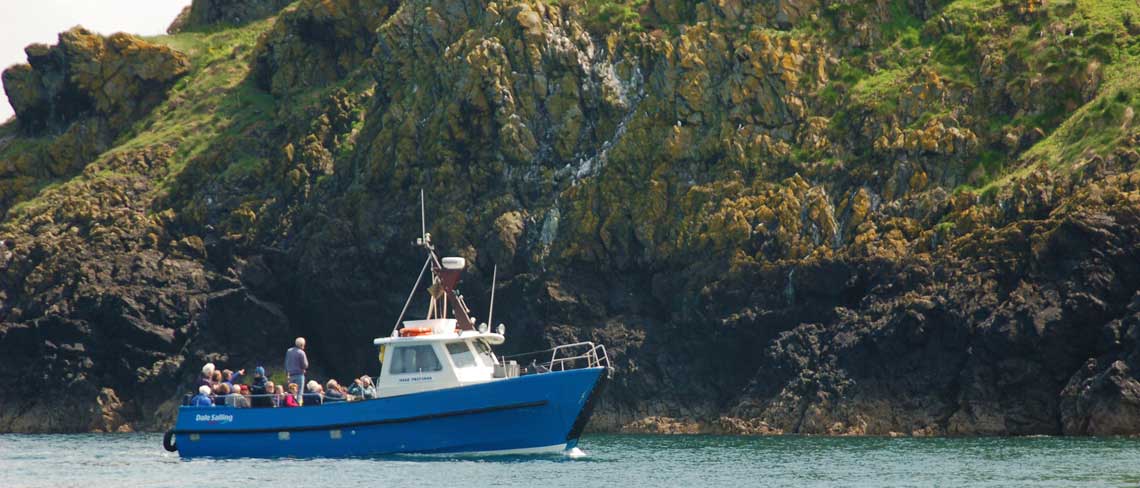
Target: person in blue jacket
[202, 399]
[232, 378]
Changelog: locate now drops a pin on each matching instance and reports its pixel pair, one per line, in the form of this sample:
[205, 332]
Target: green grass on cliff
[1096, 129]
[213, 100]
[209, 108]
[1051, 52]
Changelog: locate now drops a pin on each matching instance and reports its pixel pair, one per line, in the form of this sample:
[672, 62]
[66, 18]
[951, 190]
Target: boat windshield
[461, 354]
[485, 353]
[414, 359]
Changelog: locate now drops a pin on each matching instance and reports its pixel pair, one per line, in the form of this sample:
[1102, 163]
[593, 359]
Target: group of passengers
[225, 387]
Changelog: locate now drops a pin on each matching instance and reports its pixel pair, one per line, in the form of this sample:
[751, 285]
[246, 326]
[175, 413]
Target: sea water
[126, 460]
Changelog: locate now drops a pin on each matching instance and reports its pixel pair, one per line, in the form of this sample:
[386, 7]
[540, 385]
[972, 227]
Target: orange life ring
[414, 331]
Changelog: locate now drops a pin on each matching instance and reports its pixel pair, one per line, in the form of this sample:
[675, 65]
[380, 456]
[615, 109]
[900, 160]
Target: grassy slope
[1099, 35]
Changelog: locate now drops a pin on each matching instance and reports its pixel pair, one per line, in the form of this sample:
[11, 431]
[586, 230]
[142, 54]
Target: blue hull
[528, 412]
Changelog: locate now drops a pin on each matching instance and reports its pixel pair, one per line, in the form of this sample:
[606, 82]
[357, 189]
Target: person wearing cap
[258, 389]
[296, 363]
[202, 399]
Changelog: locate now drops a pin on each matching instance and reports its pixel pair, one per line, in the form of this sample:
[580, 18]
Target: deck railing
[564, 357]
[271, 400]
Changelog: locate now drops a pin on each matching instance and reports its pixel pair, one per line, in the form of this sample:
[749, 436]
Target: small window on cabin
[485, 353]
[461, 355]
[414, 359]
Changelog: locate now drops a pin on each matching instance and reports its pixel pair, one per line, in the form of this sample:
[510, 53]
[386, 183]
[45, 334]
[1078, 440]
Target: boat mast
[442, 291]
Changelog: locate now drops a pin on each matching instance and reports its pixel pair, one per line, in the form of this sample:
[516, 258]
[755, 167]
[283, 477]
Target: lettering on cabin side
[217, 418]
[415, 379]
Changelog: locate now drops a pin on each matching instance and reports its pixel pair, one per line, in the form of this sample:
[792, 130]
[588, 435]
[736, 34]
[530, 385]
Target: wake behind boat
[441, 389]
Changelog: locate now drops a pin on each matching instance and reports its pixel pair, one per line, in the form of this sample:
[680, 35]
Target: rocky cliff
[896, 217]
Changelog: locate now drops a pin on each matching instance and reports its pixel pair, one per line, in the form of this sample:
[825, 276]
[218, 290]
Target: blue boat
[441, 389]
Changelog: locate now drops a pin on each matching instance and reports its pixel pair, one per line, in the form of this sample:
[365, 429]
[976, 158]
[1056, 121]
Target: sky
[24, 22]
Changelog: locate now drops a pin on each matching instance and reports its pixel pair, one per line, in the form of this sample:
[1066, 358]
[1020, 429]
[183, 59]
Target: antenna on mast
[491, 309]
[423, 218]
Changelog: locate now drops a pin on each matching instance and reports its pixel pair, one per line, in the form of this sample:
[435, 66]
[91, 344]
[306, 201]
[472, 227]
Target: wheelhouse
[442, 358]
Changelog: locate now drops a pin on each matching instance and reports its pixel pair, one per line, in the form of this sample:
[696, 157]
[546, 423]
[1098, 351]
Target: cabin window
[414, 359]
[485, 353]
[461, 354]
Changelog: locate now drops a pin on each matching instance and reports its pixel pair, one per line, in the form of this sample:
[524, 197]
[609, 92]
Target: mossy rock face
[841, 217]
[318, 42]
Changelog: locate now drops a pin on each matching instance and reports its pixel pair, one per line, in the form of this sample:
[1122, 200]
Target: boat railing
[272, 400]
[566, 357]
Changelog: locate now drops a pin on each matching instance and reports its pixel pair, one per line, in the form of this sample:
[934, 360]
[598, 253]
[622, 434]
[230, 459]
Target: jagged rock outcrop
[118, 78]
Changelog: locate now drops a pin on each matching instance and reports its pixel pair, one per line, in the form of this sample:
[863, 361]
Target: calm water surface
[610, 460]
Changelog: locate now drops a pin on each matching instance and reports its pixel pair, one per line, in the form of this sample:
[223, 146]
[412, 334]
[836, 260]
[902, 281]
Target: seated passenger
[261, 389]
[221, 391]
[279, 397]
[333, 392]
[290, 400]
[313, 396]
[270, 396]
[356, 391]
[216, 379]
[369, 389]
[245, 399]
[205, 378]
[235, 399]
[202, 399]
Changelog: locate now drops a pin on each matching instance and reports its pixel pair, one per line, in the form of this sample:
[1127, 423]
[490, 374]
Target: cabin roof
[491, 338]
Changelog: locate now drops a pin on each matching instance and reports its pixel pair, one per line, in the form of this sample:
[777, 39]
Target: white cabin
[437, 357]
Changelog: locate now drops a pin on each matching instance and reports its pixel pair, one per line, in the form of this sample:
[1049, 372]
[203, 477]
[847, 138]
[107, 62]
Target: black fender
[168, 441]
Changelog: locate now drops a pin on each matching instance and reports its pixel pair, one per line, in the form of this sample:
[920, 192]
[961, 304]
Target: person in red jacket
[291, 398]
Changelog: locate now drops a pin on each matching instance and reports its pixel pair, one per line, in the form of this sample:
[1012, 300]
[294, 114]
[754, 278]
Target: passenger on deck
[279, 397]
[313, 396]
[290, 400]
[221, 391]
[260, 388]
[231, 378]
[356, 391]
[333, 392]
[296, 363]
[270, 395]
[202, 399]
[234, 399]
[205, 378]
[369, 389]
[245, 400]
[216, 379]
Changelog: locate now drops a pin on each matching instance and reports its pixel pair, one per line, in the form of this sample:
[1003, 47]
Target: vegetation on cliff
[817, 216]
